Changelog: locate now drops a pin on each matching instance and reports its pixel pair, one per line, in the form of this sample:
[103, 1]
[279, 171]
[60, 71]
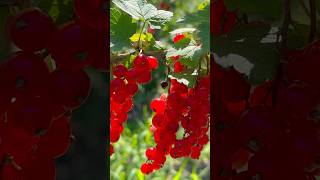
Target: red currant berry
[178, 37]
[119, 71]
[153, 62]
[141, 61]
[70, 88]
[31, 29]
[146, 168]
[158, 105]
[71, 47]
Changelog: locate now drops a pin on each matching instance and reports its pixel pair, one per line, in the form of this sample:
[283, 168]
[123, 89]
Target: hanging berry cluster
[185, 108]
[42, 83]
[272, 127]
[268, 131]
[122, 89]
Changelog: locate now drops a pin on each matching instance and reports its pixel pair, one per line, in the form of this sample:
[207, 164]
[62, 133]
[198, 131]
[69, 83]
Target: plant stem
[139, 41]
[285, 25]
[304, 7]
[313, 20]
[283, 51]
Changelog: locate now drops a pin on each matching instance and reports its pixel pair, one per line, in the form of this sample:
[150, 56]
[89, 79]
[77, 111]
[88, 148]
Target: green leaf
[189, 55]
[183, 30]
[141, 10]
[264, 56]
[201, 21]
[187, 77]
[148, 37]
[60, 10]
[182, 43]
[121, 29]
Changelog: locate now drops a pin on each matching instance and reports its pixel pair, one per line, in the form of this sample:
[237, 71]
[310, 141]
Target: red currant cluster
[41, 84]
[272, 129]
[222, 20]
[189, 108]
[122, 89]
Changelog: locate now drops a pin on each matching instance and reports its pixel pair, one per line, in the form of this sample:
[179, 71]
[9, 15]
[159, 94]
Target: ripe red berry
[153, 62]
[59, 134]
[151, 30]
[158, 105]
[178, 67]
[31, 29]
[141, 62]
[146, 168]
[120, 71]
[71, 47]
[144, 76]
[92, 13]
[27, 74]
[70, 88]
[178, 37]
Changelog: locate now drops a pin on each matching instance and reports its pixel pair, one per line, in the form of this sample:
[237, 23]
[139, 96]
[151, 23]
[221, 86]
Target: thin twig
[283, 50]
[304, 7]
[285, 25]
[313, 20]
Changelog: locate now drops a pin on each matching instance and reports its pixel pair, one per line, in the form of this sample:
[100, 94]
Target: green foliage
[242, 40]
[59, 10]
[201, 21]
[121, 29]
[141, 10]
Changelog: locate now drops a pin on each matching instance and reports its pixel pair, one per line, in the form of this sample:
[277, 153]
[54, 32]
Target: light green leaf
[187, 77]
[191, 52]
[121, 29]
[141, 10]
[183, 30]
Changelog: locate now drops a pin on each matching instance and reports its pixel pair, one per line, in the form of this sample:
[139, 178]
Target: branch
[304, 7]
[285, 25]
[283, 50]
[313, 20]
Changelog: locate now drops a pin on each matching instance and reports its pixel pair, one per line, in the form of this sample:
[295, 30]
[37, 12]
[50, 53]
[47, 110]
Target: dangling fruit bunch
[123, 87]
[259, 130]
[42, 83]
[183, 107]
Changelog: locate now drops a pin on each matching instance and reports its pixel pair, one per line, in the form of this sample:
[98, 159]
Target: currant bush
[181, 115]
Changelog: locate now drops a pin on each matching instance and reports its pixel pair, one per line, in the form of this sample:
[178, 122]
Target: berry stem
[139, 41]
